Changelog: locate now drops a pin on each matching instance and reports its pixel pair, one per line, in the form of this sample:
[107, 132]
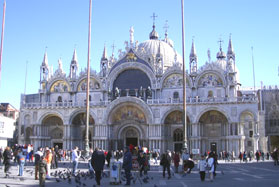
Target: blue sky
[62, 25]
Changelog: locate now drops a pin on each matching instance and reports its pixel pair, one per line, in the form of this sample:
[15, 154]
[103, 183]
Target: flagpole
[184, 81]
[2, 38]
[86, 144]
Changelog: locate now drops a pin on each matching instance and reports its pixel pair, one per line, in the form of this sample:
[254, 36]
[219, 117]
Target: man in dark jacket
[38, 156]
[127, 165]
[7, 155]
[98, 162]
[142, 163]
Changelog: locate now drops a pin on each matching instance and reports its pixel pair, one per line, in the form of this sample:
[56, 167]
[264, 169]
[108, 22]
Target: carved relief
[93, 85]
[174, 81]
[209, 80]
[128, 113]
[60, 86]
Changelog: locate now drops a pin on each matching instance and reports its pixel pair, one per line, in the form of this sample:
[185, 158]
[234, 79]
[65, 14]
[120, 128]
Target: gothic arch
[48, 114]
[213, 108]
[78, 111]
[249, 112]
[84, 78]
[52, 83]
[175, 109]
[128, 101]
[130, 65]
[175, 71]
[210, 72]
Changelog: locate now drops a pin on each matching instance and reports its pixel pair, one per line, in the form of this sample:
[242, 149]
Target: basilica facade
[137, 98]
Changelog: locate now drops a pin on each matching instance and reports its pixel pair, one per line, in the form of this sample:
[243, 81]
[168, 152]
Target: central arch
[214, 127]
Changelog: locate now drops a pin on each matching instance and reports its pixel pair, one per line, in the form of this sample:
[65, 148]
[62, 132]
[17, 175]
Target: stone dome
[152, 48]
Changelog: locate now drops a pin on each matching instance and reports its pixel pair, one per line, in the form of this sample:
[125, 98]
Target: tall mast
[184, 81]
[86, 143]
[2, 37]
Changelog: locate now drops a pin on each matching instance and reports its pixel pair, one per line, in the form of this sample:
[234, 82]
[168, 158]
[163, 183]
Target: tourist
[43, 169]
[201, 167]
[98, 162]
[176, 160]
[108, 157]
[21, 162]
[38, 156]
[210, 163]
[165, 162]
[185, 159]
[75, 158]
[142, 163]
[127, 165]
[258, 154]
[48, 159]
[7, 155]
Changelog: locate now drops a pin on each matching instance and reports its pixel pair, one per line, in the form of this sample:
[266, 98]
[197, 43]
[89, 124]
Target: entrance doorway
[178, 147]
[133, 141]
[213, 147]
[60, 145]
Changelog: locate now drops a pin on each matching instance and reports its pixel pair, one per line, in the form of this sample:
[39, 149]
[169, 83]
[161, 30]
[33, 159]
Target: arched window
[210, 94]
[175, 95]
[89, 97]
[59, 99]
[178, 135]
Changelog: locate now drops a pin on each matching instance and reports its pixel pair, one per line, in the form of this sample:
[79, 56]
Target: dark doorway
[133, 141]
[213, 147]
[178, 147]
[60, 145]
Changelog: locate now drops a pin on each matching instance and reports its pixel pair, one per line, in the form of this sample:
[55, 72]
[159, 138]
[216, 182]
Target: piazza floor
[228, 174]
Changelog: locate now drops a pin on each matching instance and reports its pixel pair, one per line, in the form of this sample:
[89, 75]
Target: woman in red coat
[176, 160]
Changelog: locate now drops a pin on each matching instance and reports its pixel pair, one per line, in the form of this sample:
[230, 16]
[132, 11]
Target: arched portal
[78, 130]
[53, 131]
[214, 126]
[173, 132]
[128, 126]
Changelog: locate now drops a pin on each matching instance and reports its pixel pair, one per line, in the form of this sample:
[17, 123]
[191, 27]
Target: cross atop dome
[154, 16]
[153, 35]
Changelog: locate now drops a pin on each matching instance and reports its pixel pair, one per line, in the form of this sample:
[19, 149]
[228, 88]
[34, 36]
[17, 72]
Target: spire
[104, 53]
[193, 49]
[45, 60]
[60, 65]
[131, 36]
[166, 26]
[74, 59]
[230, 47]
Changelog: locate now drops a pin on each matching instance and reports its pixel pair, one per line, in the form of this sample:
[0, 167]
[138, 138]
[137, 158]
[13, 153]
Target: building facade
[136, 98]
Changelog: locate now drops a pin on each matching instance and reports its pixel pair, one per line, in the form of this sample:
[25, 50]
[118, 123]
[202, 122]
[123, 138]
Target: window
[249, 143]
[178, 135]
[175, 95]
[250, 125]
[59, 99]
[89, 97]
[250, 134]
[210, 94]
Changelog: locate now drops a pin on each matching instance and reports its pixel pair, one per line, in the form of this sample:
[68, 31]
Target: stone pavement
[228, 174]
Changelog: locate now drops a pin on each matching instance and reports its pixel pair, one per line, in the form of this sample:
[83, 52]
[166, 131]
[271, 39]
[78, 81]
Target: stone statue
[149, 92]
[141, 92]
[116, 93]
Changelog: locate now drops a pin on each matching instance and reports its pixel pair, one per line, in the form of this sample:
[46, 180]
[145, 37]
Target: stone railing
[67, 104]
[63, 104]
[203, 100]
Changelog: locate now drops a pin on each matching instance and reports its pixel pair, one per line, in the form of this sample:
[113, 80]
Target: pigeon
[155, 185]
[57, 180]
[69, 180]
[21, 179]
[83, 184]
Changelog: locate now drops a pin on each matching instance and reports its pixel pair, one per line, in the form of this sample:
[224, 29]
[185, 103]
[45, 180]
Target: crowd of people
[134, 158]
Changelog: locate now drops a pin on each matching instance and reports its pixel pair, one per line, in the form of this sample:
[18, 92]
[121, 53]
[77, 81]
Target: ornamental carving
[93, 85]
[174, 81]
[209, 80]
[128, 113]
[60, 86]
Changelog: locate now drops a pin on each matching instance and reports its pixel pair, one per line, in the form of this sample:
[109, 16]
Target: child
[42, 171]
[201, 166]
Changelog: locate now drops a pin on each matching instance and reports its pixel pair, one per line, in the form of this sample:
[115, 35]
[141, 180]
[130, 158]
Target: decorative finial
[131, 35]
[113, 47]
[154, 17]
[166, 26]
[220, 41]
